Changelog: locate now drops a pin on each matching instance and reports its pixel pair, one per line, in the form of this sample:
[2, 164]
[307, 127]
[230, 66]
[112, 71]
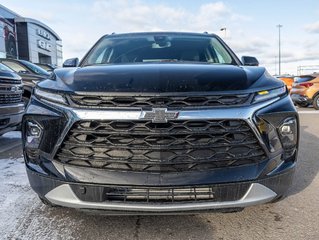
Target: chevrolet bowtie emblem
[159, 115]
[14, 89]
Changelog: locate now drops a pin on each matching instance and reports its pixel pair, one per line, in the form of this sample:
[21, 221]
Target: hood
[9, 75]
[161, 78]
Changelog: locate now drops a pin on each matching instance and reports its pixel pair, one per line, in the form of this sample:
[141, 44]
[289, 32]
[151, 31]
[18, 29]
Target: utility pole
[224, 29]
[279, 26]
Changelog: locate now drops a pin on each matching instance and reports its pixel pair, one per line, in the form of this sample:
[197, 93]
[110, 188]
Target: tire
[304, 105]
[25, 101]
[316, 102]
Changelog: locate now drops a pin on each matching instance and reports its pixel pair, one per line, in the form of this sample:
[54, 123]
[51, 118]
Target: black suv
[160, 123]
[11, 106]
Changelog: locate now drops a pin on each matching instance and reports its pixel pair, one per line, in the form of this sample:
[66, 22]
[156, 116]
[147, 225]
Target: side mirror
[72, 62]
[249, 61]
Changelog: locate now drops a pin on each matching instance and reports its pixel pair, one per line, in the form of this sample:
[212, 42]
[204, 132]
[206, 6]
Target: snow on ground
[22, 215]
[15, 192]
[8, 143]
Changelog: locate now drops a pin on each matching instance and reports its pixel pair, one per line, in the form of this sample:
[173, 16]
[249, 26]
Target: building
[28, 39]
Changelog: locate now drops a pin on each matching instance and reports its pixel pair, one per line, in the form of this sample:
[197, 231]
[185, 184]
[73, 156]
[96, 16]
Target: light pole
[279, 26]
[276, 65]
[224, 29]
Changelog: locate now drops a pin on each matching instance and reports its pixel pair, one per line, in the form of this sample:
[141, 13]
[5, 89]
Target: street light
[279, 44]
[223, 29]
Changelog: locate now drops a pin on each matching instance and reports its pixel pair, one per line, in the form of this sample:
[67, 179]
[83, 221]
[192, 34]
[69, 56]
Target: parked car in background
[288, 80]
[152, 123]
[47, 67]
[305, 91]
[30, 73]
[11, 105]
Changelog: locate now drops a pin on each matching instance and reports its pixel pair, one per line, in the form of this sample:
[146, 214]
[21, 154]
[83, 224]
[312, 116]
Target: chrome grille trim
[175, 102]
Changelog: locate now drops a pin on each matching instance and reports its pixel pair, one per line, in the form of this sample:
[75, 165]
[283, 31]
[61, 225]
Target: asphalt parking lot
[23, 216]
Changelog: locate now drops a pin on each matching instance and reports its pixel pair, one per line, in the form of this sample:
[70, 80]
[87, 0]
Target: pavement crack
[137, 228]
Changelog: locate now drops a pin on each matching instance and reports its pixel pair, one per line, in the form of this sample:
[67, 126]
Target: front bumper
[10, 117]
[300, 99]
[55, 181]
[63, 193]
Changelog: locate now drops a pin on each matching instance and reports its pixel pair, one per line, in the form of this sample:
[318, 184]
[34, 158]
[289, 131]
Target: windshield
[46, 67]
[5, 68]
[35, 68]
[158, 48]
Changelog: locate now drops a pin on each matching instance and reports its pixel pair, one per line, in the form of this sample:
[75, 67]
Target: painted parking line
[308, 112]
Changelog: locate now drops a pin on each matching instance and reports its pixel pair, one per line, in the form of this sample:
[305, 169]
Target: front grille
[10, 98]
[160, 147]
[160, 101]
[215, 193]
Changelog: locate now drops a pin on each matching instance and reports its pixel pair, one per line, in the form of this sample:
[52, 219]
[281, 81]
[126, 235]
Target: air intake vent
[171, 147]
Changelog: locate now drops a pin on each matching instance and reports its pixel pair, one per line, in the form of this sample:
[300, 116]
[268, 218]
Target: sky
[250, 24]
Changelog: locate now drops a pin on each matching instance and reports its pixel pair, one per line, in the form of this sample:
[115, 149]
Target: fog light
[33, 134]
[34, 130]
[288, 132]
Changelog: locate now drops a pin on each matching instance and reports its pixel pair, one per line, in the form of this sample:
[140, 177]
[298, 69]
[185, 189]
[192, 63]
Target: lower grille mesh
[214, 193]
[160, 147]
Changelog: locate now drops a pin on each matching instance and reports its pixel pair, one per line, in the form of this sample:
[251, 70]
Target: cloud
[252, 46]
[128, 16]
[81, 23]
[138, 15]
[312, 28]
[208, 14]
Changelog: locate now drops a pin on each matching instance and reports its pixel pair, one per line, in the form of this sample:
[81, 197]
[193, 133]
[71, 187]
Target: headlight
[269, 94]
[52, 97]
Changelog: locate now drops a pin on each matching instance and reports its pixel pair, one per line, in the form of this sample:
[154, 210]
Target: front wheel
[316, 102]
[25, 101]
[304, 104]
